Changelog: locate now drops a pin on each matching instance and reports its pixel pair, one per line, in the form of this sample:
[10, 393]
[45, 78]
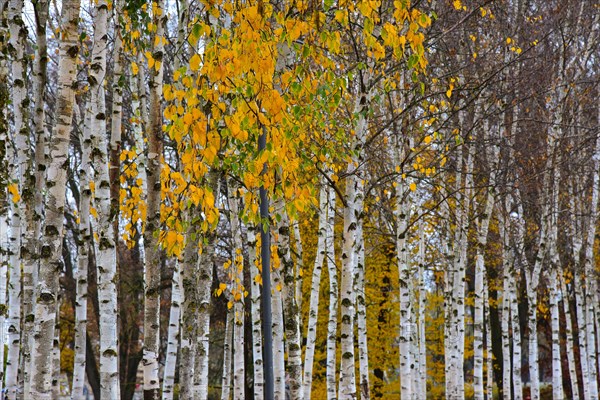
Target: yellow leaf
[195, 62]
[134, 68]
[413, 186]
[508, 40]
[150, 59]
[14, 190]
[94, 212]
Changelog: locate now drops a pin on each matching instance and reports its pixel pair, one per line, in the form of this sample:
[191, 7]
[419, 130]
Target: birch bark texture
[151, 246]
[106, 259]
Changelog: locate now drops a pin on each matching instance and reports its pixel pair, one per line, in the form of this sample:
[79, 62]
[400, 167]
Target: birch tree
[153, 171]
[106, 246]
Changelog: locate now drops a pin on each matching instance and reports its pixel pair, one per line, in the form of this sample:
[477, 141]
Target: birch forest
[300, 199]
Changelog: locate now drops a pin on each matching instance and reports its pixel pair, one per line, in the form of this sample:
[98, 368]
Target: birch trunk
[278, 328]
[56, 359]
[4, 181]
[347, 380]
[4, 258]
[557, 386]
[30, 258]
[332, 323]
[460, 281]
[51, 251]
[350, 249]
[591, 286]
[238, 294]
[201, 355]
[421, 389]
[576, 246]
[255, 313]
[313, 312]
[189, 314]
[401, 215]
[203, 301]
[83, 256]
[227, 353]
[516, 339]
[480, 273]
[151, 247]
[574, 382]
[299, 266]
[361, 317]
[117, 106]
[581, 323]
[19, 170]
[505, 317]
[173, 334]
[13, 321]
[291, 312]
[106, 256]
[488, 342]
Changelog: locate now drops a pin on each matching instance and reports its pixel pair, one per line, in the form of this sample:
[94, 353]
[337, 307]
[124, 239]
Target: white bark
[227, 355]
[238, 294]
[278, 328]
[557, 385]
[4, 258]
[421, 389]
[106, 256]
[516, 338]
[18, 170]
[569, 334]
[350, 248]
[581, 323]
[511, 275]
[313, 310]
[488, 342]
[201, 355]
[361, 317]
[505, 313]
[56, 359]
[480, 276]
[83, 255]
[401, 215]
[13, 321]
[332, 324]
[153, 253]
[173, 334]
[257, 356]
[203, 283]
[347, 381]
[36, 210]
[576, 246]
[4, 180]
[51, 251]
[189, 314]
[299, 266]
[291, 312]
